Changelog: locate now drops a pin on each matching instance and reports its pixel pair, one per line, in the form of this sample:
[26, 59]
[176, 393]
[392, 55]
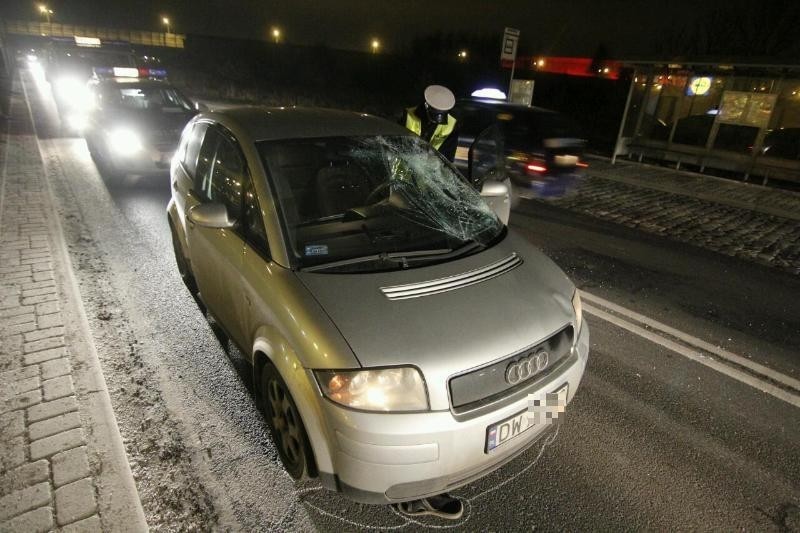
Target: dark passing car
[783, 143]
[543, 149]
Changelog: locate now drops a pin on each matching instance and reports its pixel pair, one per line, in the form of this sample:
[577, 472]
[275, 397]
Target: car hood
[452, 331]
[150, 124]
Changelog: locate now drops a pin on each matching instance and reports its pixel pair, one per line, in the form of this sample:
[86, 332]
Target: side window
[227, 177]
[255, 231]
[205, 163]
[195, 140]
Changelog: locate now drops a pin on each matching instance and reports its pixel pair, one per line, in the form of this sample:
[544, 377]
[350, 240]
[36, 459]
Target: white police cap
[439, 98]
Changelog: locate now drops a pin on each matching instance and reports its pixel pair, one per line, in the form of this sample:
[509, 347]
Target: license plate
[543, 409]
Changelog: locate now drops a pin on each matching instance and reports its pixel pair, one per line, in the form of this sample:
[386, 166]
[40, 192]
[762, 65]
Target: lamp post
[276, 34]
[165, 21]
[375, 45]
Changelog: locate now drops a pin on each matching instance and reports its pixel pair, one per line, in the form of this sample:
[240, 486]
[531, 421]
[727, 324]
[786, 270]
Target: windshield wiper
[403, 259]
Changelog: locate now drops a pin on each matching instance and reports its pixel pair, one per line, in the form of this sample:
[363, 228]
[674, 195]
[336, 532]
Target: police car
[135, 121]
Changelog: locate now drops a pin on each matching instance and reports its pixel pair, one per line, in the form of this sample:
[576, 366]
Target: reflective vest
[440, 134]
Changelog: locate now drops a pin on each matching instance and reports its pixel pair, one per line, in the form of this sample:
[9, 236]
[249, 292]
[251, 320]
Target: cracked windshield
[389, 201]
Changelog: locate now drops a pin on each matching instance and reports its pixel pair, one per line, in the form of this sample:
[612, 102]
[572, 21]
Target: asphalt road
[653, 440]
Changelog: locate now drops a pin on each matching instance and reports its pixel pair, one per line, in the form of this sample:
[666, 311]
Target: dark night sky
[555, 27]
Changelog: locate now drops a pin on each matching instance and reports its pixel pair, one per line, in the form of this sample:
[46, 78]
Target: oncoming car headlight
[388, 389]
[576, 305]
[125, 141]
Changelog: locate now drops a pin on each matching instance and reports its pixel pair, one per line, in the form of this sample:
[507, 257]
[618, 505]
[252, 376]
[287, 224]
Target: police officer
[432, 121]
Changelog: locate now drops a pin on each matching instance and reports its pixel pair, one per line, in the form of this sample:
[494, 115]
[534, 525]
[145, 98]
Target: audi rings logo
[530, 365]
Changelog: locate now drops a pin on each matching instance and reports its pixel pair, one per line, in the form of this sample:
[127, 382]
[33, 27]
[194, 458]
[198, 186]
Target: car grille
[166, 140]
[488, 384]
[451, 283]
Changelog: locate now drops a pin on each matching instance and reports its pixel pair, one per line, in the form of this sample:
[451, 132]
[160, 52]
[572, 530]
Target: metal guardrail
[55, 29]
[760, 165]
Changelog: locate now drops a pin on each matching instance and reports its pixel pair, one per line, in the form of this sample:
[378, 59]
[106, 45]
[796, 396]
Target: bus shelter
[741, 118]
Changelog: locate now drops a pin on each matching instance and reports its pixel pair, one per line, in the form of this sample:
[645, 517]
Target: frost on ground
[172, 496]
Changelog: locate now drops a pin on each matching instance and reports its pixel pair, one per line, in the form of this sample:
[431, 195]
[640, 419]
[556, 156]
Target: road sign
[510, 40]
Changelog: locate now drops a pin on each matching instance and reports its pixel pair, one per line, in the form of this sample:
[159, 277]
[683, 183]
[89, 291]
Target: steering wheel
[378, 193]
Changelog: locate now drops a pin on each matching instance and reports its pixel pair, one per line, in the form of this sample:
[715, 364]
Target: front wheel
[285, 424]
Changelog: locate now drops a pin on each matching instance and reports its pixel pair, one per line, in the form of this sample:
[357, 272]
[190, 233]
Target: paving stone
[50, 321]
[16, 311]
[12, 453]
[11, 425]
[7, 271]
[55, 367]
[35, 260]
[19, 328]
[42, 276]
[75, 501]
[44, 355]
[56, 443]
[58, 387]
[20, 401]
[19, 387]
[46, 410]
[21, 319]
[39, 292]
[70, 466]
[41, 267]
[52, 426]
[33, 285]
[23, 476]
[43, 344]
[47, 308]
[23, 500]
[44, 333]
[38, 520]
[33, 300]
[87, 525]
[9, 302]
[19, 374]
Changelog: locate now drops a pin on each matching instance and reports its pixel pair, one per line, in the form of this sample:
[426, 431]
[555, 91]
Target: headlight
[77, 121]
[389, 389]
[576, 305]
[125, 141]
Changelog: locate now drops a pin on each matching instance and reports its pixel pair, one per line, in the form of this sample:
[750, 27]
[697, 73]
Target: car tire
[285, 424]
[183, 266]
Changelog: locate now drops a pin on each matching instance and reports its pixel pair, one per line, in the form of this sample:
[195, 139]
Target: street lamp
[276, 34]
[165, 21]
[46, 11]
[375, 45]
[462, 55]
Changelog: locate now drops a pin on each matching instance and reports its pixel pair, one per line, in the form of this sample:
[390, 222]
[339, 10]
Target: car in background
[68, 65]
[135, 121]
[783, 143]
[398, 330]
[543, 149]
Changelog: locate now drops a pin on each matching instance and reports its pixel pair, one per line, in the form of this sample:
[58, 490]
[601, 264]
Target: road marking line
[696, 356]
[694, 341]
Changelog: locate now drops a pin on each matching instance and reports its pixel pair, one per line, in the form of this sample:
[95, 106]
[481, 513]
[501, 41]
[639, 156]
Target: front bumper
[383, 458]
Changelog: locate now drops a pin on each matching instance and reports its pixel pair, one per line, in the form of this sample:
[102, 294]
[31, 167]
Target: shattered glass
[356, 197]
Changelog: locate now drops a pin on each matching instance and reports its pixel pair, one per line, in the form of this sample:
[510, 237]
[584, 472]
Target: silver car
[404, 341]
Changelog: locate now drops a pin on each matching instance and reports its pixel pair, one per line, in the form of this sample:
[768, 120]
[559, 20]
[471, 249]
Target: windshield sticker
[316, 249]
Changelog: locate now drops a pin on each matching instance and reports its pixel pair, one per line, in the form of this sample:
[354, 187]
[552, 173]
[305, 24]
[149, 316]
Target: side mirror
[211, 215]
[497, 195]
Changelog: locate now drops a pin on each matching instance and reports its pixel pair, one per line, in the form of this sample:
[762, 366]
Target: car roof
[505, 106]
[133, 82]
[264, 123]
